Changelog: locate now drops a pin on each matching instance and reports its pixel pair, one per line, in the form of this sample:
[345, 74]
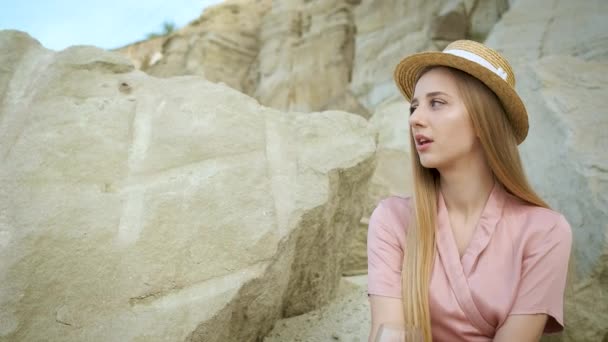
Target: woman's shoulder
[396, 203]
[537, 222]
[393, 213]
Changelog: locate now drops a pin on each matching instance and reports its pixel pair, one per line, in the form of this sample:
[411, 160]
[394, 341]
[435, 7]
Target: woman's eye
[435, 103]
[412, 109]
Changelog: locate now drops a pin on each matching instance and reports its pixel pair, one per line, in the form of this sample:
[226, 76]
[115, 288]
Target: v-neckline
[488, 219]
[457, 269]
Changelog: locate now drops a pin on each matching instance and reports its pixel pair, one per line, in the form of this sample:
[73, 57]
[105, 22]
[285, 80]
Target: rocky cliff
[137, 208]
[221, 45]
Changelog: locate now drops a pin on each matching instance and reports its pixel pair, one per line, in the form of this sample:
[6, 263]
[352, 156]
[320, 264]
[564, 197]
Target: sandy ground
[347, 318]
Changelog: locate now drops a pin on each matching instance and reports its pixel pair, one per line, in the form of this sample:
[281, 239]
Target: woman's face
[439, 121]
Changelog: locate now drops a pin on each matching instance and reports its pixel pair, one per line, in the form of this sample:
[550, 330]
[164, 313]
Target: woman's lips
[423, 142]
[424, 146]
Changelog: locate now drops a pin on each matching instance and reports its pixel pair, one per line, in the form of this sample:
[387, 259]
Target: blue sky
[107, 24]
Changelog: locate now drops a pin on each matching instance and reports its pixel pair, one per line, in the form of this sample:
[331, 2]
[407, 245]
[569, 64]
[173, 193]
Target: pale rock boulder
[136, 208]
[346, 318]
[559, 51]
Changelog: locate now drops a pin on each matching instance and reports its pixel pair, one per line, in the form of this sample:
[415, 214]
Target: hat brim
[408, 69]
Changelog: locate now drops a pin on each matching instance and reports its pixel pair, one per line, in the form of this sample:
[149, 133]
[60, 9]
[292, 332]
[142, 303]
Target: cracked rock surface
[134, 208]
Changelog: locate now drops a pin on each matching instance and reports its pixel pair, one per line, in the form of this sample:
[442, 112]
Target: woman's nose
[416, 118]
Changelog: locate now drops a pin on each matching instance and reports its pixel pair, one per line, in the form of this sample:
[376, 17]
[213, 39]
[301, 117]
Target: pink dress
[516, 263]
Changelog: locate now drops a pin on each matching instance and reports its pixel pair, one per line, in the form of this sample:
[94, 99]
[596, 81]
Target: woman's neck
[465, 189]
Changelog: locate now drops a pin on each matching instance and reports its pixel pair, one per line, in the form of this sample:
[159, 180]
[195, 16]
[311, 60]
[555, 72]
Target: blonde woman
[475, 254]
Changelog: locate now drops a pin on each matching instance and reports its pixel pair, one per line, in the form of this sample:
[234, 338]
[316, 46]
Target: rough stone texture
[465, 19]
[221, 45]
[135, 208]
[290, 55]
[389, 30]
[307, 53]
[483, 15]
[559, 50]
[347, 318]
[146, 53]
[552, 27]
[347, 102]
[451, 23]
[385, 34]
[392, 175]
[313, 55]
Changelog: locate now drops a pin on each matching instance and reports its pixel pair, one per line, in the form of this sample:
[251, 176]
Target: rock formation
[290, 55]
[221, 45]
[136, 208]
[307, 53]
[313, 55]
[347, 318]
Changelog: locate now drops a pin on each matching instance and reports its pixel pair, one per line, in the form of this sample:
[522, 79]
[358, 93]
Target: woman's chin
[427, 163]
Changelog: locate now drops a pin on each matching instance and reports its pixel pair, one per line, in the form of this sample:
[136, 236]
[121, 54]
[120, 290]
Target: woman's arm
[521, 328]
[539, 303]
[385, 241]
[524, 328]
[385, 310]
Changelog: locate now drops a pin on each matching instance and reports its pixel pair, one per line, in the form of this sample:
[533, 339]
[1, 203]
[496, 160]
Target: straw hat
[479, 61]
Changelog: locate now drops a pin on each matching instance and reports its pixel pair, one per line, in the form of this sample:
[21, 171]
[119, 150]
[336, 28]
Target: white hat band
[479, 60]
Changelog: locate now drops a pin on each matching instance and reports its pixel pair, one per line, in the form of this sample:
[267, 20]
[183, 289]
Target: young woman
[475, 254]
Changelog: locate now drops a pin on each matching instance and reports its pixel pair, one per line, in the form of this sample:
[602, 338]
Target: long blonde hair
[500, 149]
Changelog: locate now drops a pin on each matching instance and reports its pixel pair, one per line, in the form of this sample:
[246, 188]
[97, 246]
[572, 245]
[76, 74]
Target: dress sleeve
[543, 277]
[384, 256]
